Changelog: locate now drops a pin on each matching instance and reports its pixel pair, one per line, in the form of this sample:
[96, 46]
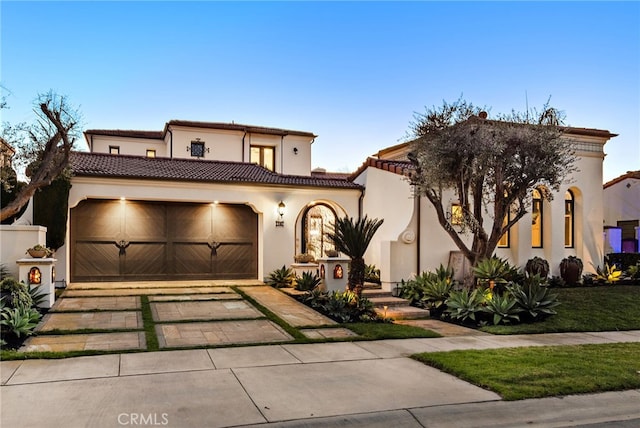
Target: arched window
[536, 219]
[569, 218]
[316, 222]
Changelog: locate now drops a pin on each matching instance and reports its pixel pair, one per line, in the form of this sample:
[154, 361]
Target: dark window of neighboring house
[114, 150]
[569, 217]
[536, 219]
[151, 153]
[264, 156]
[197, 149]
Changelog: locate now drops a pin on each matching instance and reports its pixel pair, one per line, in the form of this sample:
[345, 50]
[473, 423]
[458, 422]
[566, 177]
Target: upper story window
[264, 156]
[536, 219]
[569, 213]
[151, 153]
[198, 149]
[114, 150]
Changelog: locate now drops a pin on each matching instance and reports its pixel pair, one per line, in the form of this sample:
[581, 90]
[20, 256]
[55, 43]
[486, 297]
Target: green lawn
[603, 308]
[378, 331]
[520, 373]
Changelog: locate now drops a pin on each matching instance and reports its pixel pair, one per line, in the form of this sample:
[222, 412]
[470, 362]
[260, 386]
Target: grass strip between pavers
[378, 331]
[149, 325]
[534, 372]
[294, 332]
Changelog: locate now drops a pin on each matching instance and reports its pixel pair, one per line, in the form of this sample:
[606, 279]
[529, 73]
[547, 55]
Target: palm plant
[352, 238]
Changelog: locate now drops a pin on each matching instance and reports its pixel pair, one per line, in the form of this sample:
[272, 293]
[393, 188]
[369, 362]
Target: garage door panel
[192, 259]
[95, 220]
[145, 259]
[145, 222]
[95, 259]
[235, 222]
[236, 259]
[190, 222]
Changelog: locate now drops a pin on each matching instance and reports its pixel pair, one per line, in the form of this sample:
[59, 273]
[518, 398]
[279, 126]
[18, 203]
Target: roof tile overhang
[400, 167]
[104, 165]
[629, 175]
[195, 124]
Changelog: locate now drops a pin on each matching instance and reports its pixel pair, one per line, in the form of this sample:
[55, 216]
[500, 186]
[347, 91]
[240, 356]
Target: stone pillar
[39, 273]
[334, 272]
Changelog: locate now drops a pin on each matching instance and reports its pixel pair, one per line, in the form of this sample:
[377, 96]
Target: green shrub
[633, 272]
[371, 274]
[624, 260]
[341, 306]
[307, 282]
[493, 271]
[535, 300]
[280, 278]
[19, 321]
[436, 291]
[18, 293]
[504, 308]
[428, 288]
[465, 305]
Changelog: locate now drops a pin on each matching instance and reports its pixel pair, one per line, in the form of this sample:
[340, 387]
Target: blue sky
[353, 73]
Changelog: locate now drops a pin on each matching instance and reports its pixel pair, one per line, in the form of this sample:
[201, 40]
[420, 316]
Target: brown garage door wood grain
[135, 240]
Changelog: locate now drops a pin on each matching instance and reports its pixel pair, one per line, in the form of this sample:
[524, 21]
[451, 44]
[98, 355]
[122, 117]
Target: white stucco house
[205, 200]
[622, 213]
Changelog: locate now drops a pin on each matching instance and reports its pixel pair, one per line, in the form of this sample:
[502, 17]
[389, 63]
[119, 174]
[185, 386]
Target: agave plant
[282, 277]
[352, 238]
[436, 291]
[463, 305]
[535, 300]
[492, 271]
[307, 282]
[504, 308]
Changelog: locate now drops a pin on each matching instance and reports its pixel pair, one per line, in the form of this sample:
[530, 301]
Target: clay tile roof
[399, 167]
[131, 133]
[629, 174]
[138, 167]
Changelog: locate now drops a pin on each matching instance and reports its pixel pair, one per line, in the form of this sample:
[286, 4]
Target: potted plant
[39, 251]
[571, 270]
[539, 266]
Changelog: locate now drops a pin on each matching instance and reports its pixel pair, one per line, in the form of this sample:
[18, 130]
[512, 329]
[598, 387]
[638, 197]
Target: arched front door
[316, 222]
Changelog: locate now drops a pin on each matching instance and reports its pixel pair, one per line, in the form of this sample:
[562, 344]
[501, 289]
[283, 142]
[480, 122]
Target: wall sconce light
[295, 150]
[281, 207]
[35, 276]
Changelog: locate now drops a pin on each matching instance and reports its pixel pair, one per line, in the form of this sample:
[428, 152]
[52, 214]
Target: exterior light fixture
[281, 207]
[295, 150]
[35, 276]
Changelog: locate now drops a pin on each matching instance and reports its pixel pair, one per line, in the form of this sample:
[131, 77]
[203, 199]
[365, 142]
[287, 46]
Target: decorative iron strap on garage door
[138, 241]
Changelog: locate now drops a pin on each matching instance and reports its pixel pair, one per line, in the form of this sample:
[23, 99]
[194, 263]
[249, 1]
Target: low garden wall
[14, 241]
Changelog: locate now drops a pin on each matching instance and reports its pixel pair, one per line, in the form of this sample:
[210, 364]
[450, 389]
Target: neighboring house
[622, 212]
[6, 153]
[222, 201]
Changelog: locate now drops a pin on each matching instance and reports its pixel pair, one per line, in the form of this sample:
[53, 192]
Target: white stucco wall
[14, 241]
[622, 201]
[389, 196]
[276, 245]
[129, 146]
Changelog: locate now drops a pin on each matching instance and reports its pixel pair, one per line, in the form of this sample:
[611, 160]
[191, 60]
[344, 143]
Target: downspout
[281, 154]
[418, 239]
[91, 144]
[243, 145]
[361, 202]
[170, 143]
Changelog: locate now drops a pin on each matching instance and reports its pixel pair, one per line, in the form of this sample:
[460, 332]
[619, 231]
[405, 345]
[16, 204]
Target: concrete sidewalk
[368, 384]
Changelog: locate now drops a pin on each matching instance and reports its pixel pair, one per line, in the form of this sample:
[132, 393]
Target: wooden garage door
[136, 241]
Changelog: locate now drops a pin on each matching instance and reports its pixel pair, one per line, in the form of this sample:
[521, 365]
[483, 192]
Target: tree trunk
[356, 275]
